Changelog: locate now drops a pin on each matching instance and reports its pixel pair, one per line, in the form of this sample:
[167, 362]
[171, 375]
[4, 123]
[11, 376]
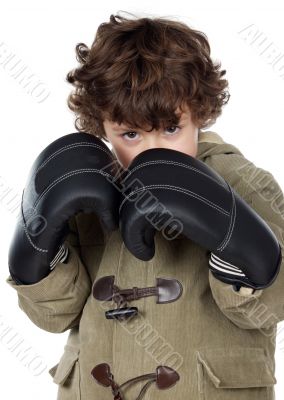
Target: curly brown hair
[139, 71]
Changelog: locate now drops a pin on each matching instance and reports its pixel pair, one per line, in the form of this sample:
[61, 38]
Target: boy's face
[128, 143]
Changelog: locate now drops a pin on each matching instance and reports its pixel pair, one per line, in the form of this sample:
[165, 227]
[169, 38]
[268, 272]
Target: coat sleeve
[55, 303]
[248, 309]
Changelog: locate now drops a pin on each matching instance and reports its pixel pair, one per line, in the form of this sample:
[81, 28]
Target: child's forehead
[183, 116]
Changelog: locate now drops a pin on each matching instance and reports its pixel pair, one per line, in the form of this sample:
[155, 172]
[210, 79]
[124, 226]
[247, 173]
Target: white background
[43, 38]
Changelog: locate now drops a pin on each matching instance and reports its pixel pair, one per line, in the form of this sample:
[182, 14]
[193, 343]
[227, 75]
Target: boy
[185, 333]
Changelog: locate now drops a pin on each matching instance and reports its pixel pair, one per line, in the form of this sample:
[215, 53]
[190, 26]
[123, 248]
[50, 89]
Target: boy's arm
[263, 308]
[55, 303]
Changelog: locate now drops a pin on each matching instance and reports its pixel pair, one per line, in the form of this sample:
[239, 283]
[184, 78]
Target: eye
[173, 126]
[133, 133]
[128, 133]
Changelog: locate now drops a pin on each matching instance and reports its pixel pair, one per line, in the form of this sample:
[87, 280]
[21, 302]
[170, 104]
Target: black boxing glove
[70, 175]
[170, 190]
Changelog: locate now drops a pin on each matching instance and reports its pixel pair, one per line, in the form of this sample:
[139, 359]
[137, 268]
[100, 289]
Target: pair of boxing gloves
[162, 189]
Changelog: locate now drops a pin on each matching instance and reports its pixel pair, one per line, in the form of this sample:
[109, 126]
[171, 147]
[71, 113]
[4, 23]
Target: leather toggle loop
[167, 290]
[165, 377]
[104, 289]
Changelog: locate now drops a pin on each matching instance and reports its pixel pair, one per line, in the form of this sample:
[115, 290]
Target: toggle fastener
[104, 289]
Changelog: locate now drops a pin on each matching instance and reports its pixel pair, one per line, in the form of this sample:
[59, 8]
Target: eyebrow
[121, 128]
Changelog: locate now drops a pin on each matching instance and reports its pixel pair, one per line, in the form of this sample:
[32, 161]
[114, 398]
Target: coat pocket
[235, 373]
[66, 374]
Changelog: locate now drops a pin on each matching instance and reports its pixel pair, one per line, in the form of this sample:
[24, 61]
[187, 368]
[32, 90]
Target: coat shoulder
[212, 144]
[210, 137]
